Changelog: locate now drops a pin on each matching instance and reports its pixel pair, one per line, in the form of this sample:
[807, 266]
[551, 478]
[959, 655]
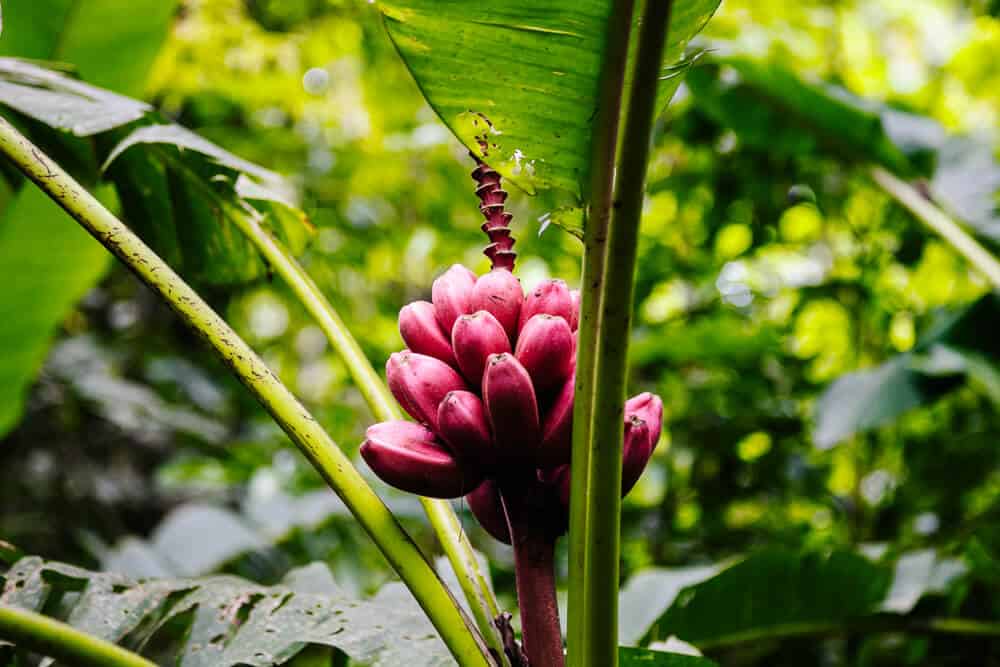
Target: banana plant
[517, 399]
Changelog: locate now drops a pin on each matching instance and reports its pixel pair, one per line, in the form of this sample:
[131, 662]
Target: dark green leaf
[187, 198]
[517, 82]
[55, 261]
[768, 592]
[778, 593]
[182, 193]
[230, 621]
[111, 43]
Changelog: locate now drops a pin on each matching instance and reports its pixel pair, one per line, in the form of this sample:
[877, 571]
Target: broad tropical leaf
[113, 42]
[188, 197]
[184, 195]
[517, 81]
[223, 620]
[776, 593]
[54, 263]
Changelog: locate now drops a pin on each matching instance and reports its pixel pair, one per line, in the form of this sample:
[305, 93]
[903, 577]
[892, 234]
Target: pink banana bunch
[488, 376]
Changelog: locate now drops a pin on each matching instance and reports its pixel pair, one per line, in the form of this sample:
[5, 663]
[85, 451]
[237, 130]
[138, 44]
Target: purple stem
[529, 516]
[497, 226]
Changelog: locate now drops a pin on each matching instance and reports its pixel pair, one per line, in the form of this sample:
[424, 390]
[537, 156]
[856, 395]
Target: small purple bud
[406, 456]
[419, 327]
[474, 338]
[557, 429]
[488, 509]
[551, 297]
[640, 441]
[463, 426]
[511, 406]
[499, 292]
[638, 448]
[545, 349]
[420, 382]
[649, 408]
[575, 321]
[450, 294]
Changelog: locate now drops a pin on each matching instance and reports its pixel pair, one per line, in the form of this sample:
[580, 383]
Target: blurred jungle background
[829, 365]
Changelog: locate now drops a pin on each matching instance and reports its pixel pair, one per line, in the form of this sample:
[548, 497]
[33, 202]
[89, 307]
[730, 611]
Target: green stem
[305, 289]
[458, 550]
[929, 214]
[332, 464]
[445, 523]
[602, 498]
[599, 196]
[55, 639]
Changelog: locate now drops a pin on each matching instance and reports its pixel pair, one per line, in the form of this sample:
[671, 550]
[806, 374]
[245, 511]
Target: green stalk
[445, 523]
[458, 550]
[599, 196]
[294, 419]
[602, 498]
[925, 211]
[55, 639]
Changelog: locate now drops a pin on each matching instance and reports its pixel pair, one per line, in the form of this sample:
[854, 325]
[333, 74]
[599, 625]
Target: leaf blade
[517, 82]
[233, 621]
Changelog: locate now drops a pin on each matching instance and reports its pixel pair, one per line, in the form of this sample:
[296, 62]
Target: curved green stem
[601, 499]
[935, 218]
[305, 289]
[55, 639]
[445, 523]
[332, 464]
[599, 197]
[458, 550]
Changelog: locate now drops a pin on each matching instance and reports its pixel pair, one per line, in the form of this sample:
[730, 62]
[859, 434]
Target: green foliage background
[136, 449]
